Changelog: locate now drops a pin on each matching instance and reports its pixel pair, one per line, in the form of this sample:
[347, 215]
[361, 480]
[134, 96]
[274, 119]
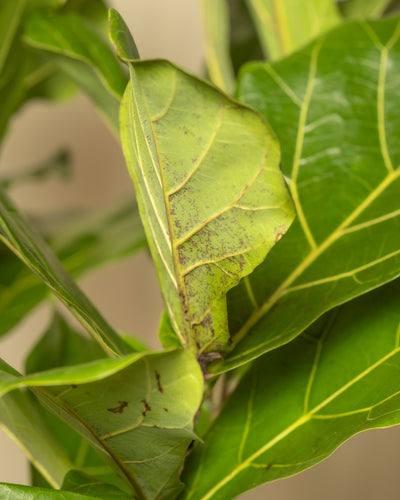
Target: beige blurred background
[127, 294]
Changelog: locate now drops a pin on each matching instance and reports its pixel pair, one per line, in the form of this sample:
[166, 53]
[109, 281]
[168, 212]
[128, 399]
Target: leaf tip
[121, 37]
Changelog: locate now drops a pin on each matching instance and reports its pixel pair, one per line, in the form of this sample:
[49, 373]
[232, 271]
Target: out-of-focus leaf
[19, 492]
[61, 346]
[286, 25]
[244, 43]
[342, 156]
[172, 152]
[364, 8]
[21, 417]
[300, 402]
[81, 245]
[216, 24]
[29, 246]
[58, 164]
[83, 56]
[137, 411]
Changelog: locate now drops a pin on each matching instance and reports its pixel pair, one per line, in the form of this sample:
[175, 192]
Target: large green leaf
[21, 417]
[28, 245]
[332, 108]
[137, 412]
[111, 234]
[83, 56]
[299, 402]
[210, 193]
[286, 25]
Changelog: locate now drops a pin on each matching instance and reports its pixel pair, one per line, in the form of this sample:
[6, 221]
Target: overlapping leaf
[19, 492]
[22, 419]
[342, 154]
[83, 56]
[299, 402]
[136, 411]
[28, 245]
[285, 25]
[210, 192]
[81, 245]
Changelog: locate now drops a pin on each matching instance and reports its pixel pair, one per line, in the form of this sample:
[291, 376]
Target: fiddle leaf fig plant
[273, 219]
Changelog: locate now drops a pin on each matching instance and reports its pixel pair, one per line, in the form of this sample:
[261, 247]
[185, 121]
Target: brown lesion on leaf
[120, 408]
[146, 406]
[158, 379]
[165, 409]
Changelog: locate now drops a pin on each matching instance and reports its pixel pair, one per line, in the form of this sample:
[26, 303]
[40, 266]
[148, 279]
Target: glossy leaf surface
[300, 402]
[342, 156]
[136, 411]
[29, 246]
[286, 25]
[203, 175]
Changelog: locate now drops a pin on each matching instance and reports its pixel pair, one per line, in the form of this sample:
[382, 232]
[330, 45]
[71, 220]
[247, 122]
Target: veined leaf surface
[136, 411]
[210, 192]
[342, 156]
[300, 402]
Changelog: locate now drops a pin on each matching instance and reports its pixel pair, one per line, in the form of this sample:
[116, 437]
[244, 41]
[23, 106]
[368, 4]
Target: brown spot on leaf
[74, 386]
[147, 407]
[120, 408]
[158, 378]
[165, 409]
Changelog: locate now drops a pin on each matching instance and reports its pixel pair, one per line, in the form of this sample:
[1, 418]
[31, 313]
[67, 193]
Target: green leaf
[28, 245]
[244, 43]
[285, 25]
[58, 164]
[82, 244]
[173, 152]
[216, 24]
[122, 39]
[342, 155]
[364, 8]
[62, 346]
[19, 492]
[139, 418]
[84, 484]
[21, 417]
[300, 402]
[83, 56]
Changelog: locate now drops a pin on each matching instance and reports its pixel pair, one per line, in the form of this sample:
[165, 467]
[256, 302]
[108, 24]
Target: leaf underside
[210, 192]
[342, 156]
[136, 411]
